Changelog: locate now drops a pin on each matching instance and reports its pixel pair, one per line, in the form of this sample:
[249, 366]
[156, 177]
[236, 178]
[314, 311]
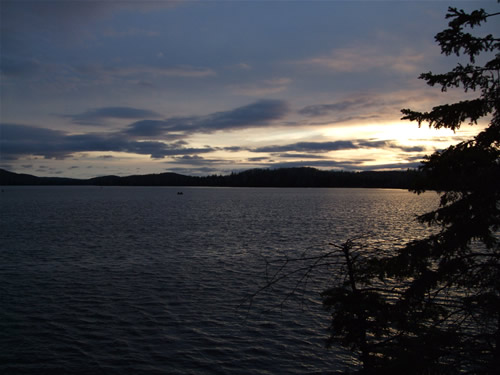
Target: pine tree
[433, 307]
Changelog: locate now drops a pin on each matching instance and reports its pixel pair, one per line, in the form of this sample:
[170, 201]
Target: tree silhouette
[433, 307]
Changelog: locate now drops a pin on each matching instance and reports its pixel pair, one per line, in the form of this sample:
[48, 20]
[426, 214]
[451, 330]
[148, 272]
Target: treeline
[283, 177]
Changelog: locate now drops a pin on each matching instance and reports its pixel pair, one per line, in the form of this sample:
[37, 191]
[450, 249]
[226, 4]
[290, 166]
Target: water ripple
[143, 281]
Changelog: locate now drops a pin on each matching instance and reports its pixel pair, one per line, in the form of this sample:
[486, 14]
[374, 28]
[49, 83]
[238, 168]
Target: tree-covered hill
[284, 177]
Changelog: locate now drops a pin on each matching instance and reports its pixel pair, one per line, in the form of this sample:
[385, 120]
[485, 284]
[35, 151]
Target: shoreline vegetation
[282, 177]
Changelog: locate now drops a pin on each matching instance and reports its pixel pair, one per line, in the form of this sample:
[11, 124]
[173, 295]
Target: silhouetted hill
[162, 179]
[310, 177]
[284, 177]
[10, 178]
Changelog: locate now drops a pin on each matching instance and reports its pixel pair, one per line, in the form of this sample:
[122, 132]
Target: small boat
[180, 193]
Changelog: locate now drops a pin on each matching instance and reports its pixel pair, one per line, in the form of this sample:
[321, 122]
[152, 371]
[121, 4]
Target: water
[142, 280]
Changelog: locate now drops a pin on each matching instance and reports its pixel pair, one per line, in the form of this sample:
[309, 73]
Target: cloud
[323, 147]
[323, 109]
[96, 115]
[17, 140]
[27, 140]
[314, 147]
[390, 166]
[331, 164]
[162, 138]
[344, 165]
[257, 114]
[196, 160]
[354, 105]
[24, 140]
[365, 58]
[300, 156]
[257, 159]
[101, 72]
[265, 87]
[147, 128]
[358, 108]
[389, 145]
[414, 158]
[194, 165]
[234, 148]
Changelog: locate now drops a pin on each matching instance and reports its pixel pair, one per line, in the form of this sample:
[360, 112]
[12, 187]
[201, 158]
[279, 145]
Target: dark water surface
[144, 281]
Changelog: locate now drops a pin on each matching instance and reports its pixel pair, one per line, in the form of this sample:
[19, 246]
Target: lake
[143, 280]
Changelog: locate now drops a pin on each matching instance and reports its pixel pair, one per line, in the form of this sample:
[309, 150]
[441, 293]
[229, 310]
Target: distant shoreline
[283, 177]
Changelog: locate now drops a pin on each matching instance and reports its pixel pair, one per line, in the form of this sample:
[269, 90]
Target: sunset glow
[98, 88]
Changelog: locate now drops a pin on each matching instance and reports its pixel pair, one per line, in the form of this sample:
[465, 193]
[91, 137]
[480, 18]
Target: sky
[92, 88]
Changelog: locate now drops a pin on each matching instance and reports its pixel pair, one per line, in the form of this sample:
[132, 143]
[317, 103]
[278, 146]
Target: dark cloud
[234, 148]
[96, 115]
[258, 114]
[331, 164]
[187, 151]
[18, 140]
[389, 145]
[345, 165]
[349, 106]
[395, 166]
[299, 156]
[10, 132]
[410, 148]
[320, 147]
[196, 160]
[373, 144]
[315, 147]
[261, 158]
[138, 72]
[190, 157]
[196, 165]
[341, 119]
[147, 128]
[323, 109]
[414, 158]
